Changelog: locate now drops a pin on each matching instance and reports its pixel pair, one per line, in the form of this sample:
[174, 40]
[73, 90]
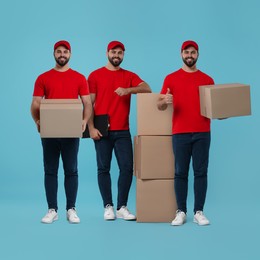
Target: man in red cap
[61, 82]
[191, 131]
[110, 89]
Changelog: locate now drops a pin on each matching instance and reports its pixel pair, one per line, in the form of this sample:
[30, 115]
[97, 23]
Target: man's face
[190, 56]
[115, 56]
[62, 55]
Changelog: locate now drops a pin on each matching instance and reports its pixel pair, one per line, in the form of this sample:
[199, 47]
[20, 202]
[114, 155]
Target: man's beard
[114, 62]
[190, 63]
[63, 62]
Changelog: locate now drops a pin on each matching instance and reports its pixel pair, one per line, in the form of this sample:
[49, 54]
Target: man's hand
[95, 134]
[164, 100]
[168, 97]
[122, 91]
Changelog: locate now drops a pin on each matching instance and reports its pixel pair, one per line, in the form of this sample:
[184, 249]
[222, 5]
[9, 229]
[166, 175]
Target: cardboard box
[155, 200]
[225, 100]
[61, 118]
[150, 120]
[153, 157]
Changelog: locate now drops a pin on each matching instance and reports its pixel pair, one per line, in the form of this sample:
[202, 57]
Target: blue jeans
[185, 147]
[121, 143]
[67, 148]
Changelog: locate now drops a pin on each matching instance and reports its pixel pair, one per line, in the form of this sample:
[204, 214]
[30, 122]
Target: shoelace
[200, 214]
[179, 216]
[108, 208]
[125, 209]
[73, 213]
[179, 213]
[50, 213]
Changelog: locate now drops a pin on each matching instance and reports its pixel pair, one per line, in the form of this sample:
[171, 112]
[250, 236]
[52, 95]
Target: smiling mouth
[116, 60]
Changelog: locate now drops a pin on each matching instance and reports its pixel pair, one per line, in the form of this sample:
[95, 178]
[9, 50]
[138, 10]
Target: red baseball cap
[114, 44]
[186, 44]
[62, 43]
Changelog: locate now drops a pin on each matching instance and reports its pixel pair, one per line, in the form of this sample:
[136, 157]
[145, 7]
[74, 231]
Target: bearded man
[190, 131]
[110, 90]
[61, 82]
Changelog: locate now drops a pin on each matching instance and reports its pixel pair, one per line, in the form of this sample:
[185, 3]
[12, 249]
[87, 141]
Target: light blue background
[229, 39]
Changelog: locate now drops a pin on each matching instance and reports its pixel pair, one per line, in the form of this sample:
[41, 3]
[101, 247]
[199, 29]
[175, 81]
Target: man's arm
[141, 88]
[35, 111]
[87, 110]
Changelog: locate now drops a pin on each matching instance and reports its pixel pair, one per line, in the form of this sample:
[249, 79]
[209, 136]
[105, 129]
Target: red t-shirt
[55, 84]
[184, 87]
[103, 83]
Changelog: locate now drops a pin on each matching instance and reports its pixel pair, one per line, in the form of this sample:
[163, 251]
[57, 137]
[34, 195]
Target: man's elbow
[147, 88]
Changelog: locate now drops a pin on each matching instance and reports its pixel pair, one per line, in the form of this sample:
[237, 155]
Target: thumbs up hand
[168, 97]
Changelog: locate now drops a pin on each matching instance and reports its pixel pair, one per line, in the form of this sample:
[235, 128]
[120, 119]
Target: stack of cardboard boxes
[154, 161]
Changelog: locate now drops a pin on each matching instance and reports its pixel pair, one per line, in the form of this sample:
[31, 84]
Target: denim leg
[200, 159]
[51, 155]
[104, 148]
[124, 155]
[182, 148]
[69, 154]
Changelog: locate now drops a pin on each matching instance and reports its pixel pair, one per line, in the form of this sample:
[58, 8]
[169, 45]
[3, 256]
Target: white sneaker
[109, 212]
[200, 219]
[51, 216]
[72, 216]
[180, 218]
[125, 214]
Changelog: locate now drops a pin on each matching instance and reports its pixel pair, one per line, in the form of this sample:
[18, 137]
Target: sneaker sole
[200, 224]
[177, 225]
[73, 222]
[128, 219]
[109, 218]
[49, 222]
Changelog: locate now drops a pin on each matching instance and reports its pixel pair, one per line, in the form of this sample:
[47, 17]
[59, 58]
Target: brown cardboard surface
[155, 200]
[153, 157]
[61, 118]
[225, 100]
[135, 153]
[150, 120]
